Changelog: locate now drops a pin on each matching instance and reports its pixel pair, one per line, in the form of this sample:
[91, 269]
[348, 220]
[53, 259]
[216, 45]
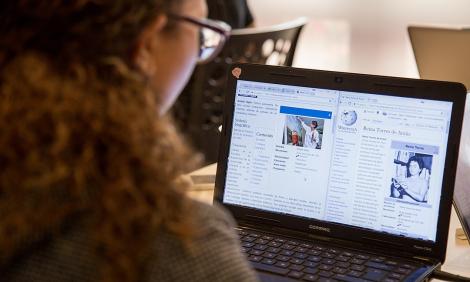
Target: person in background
[234, 12]
[89, 162]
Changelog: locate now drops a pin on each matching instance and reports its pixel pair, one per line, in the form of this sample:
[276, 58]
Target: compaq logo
[422, 248]
[319, 228]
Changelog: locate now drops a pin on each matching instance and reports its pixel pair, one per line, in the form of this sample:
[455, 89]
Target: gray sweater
[69, 257]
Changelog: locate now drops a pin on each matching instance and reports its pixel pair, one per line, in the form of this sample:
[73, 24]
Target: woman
[87, 161]
[415, 186]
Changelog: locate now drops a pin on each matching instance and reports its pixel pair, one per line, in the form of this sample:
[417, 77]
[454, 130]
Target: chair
[199, 109]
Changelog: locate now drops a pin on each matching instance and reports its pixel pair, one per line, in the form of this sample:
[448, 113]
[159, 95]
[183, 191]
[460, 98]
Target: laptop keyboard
[317, 262]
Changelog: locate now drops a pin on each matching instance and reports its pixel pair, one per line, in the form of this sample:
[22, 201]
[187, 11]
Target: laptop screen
[364, 160]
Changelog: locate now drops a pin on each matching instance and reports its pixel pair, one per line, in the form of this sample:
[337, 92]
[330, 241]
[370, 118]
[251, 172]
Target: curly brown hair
[80, 133]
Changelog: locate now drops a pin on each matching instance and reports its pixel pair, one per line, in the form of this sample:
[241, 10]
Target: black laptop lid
[356, 157]
[462, 184]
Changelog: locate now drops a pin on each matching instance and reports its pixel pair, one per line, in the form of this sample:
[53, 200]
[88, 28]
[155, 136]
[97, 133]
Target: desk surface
[458, 251]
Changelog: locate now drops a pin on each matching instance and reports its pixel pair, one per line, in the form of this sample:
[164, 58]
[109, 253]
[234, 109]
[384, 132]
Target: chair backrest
[199, 109]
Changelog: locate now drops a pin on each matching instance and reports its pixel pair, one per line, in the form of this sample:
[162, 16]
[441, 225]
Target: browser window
[364, 160]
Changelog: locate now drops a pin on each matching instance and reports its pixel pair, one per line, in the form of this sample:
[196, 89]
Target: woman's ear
[144, 48]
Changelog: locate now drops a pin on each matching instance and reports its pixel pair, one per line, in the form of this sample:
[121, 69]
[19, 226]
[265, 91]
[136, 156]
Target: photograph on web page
[411, 174]
[304, 132]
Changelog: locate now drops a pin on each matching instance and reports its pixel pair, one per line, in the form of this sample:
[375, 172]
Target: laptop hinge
[380, 243]
[287, 232]
[259, 219]
[424, 259]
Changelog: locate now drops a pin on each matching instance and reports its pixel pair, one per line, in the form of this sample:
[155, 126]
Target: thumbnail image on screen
[303, 131]
[412, 172]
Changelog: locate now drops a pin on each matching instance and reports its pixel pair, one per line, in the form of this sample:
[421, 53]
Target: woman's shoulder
[66, 256]
[214, 254]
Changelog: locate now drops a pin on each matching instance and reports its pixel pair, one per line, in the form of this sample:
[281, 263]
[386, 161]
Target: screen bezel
[391, 86]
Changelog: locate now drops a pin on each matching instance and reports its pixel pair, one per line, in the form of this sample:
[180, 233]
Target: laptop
[462, 184]
[339, 176]
[442, 53]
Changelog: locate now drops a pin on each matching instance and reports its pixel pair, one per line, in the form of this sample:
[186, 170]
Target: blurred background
[366, 36]
[362, 36]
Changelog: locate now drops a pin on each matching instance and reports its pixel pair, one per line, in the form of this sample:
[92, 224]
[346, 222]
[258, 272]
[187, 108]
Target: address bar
[286, 95]
[427, 112]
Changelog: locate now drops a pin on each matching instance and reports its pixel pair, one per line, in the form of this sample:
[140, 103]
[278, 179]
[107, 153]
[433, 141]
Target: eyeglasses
[212, 36]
